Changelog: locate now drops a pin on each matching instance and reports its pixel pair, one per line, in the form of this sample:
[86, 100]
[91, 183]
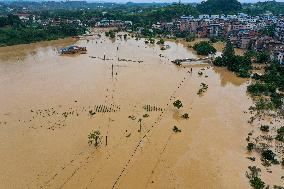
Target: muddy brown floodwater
[45, 121]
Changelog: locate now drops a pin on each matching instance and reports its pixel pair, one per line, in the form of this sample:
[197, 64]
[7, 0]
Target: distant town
[142, 95]
[261, 32]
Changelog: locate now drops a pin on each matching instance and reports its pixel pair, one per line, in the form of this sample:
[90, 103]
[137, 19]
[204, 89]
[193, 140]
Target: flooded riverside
[51, 103]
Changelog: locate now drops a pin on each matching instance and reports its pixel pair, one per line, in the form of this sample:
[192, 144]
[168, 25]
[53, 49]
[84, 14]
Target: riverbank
[22, 50]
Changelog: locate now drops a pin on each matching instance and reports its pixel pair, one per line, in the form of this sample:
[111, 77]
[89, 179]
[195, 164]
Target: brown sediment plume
[52, 150]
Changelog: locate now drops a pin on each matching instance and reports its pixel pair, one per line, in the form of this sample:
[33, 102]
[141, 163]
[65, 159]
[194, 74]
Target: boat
[73, 50]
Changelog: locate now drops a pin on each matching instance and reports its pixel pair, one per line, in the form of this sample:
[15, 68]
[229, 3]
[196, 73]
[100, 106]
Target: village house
[215, 30]
[280, 31]
[244, 39]
[280, 57]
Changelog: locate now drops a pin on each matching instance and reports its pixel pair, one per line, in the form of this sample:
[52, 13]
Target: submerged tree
[176, 129]
[177, 104]
[228, 53]
[204, 48]
[95, 138]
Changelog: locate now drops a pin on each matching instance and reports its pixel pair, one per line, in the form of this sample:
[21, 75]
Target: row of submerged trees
[270, 84]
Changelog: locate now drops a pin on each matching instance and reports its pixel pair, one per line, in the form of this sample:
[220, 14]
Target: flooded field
[51, 103]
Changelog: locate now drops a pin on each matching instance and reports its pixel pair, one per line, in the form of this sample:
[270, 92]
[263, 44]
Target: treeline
[268, 87]
[10, 20]
[219, 7]
[25, 35]
[276, 8]
[271, 85]
[241, 65]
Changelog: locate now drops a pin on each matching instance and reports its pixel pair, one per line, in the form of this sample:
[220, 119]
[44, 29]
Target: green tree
[262, 57]
[94, 138]
[219, 6]
[178, 104]
[228, 53]
[204, 48]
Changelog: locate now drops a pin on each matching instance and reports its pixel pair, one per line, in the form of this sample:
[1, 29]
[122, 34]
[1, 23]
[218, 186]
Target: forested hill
[219, 7]
[261, 7]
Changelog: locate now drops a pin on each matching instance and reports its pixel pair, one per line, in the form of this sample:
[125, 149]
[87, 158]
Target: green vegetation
[280, 134]
[219, 7]
[261, 7]
[257, 183]
[203, 89]
[13, 31]
[258, 89]
[24, 35]
[254, 179]
[264, 128]
[238, 64]
[250, 146]
[10, 20]
[161, 42]
[268, 87]
[262, 57]
[178, 104]
[204, 48]
[269, 30]
[110, 34]
[185, 116]
[95, 138]
[190, 37]
[268, 155]
[146, 115]
[176, 129]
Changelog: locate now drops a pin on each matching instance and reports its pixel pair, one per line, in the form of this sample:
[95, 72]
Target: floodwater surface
[45, 118]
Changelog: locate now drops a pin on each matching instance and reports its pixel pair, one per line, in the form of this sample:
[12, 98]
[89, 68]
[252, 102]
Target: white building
[204, 16]
[232, 16]
[215, 16]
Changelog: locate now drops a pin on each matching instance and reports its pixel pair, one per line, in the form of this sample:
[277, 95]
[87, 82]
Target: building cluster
[242, 30]
[25, 17]
[113, 23]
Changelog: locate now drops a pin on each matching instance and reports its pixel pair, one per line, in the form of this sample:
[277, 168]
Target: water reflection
[227, 77]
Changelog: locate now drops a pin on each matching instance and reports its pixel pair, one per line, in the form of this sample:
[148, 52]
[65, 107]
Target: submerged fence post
[112, 70]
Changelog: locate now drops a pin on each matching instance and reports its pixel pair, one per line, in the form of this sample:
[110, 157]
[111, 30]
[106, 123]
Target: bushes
[257, 183]
[264, 128]
[280, 134]
[239, 64]
[269, 85]
[161, 42]
[268, 155]
[176, 129]
[177, 104]
[250, 146]
[24, 35]
[95, 138]
[203, 88]
[110, 34]
[204, 48]
[254, 179]
[219, 62]
[185, 116]
[261, 88]
[262, 57]
[190, 37]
